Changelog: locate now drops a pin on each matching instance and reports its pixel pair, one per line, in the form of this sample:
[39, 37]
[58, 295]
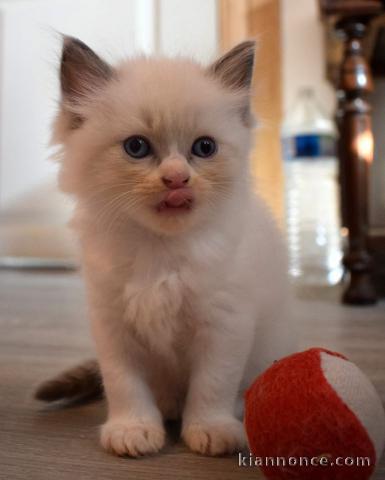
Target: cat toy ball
[314, 416]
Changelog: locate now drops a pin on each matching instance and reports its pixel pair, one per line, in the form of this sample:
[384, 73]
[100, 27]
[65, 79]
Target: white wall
[303, 52]
[189, 28]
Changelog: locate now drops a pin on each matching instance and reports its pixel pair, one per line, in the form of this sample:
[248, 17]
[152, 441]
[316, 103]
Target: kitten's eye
[204, 147]
[137, 147]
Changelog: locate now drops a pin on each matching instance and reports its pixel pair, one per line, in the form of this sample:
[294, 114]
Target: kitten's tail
[81, 381]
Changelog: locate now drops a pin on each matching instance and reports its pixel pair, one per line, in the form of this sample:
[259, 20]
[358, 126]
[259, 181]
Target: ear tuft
[81, 70]
[235, 68]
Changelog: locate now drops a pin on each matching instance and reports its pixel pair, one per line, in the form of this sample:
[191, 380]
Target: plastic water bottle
[311, 194]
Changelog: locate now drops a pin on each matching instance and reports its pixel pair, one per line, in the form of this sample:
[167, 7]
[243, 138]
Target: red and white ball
[315, 405]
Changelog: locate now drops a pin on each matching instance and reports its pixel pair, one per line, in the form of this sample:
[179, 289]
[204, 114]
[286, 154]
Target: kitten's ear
[235, 68]
[81, 70]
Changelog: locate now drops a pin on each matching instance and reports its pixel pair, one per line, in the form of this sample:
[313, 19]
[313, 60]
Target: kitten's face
[160, 142]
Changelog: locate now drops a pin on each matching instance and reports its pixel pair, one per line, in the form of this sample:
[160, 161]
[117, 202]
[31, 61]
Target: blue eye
[204, 147]
[137, 147]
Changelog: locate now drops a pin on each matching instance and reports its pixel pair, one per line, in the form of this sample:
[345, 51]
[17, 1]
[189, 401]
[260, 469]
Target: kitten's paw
[132, 437]
[217, 437]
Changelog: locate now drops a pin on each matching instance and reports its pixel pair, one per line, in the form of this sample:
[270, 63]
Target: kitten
[184, 266]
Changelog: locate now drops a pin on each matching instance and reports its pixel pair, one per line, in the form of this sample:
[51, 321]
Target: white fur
[185, 311]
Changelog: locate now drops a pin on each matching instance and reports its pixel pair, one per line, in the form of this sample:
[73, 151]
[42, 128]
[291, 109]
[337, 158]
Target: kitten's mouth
[178, 200]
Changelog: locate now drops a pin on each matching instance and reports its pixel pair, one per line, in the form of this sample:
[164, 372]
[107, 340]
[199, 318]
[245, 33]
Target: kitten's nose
[176, 179]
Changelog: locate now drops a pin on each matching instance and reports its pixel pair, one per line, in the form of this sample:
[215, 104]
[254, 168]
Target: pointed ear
[81, 70]
[235, 68]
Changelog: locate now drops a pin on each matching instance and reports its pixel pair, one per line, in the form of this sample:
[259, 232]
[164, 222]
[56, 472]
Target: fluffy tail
[78, 382]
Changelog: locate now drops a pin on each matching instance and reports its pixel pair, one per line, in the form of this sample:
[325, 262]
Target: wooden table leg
[356, 155]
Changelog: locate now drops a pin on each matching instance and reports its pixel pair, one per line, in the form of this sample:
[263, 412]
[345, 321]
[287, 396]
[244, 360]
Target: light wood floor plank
[43, 328]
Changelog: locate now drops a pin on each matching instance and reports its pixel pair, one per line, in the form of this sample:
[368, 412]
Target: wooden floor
[43, 329]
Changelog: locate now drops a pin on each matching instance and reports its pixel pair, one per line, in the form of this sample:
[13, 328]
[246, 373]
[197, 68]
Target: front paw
[132, 437]
[215, 437]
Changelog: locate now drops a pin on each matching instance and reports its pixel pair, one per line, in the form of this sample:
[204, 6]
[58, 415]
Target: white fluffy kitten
[184, 266]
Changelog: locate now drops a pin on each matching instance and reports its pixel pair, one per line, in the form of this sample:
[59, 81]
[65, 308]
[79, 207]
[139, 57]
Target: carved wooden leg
[356, 155]
[340, 153]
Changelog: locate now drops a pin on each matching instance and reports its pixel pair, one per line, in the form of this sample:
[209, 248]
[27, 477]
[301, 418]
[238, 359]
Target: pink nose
[176, 180]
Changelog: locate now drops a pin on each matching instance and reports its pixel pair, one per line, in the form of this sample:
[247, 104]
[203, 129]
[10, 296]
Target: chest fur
[162, 286]
[152, 307]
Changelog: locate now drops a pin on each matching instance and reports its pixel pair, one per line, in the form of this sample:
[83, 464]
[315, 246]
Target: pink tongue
[178, 197]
